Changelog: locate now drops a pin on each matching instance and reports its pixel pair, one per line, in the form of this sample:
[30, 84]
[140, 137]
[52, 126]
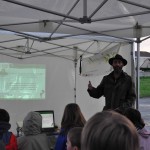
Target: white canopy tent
[64, 84]
[123, 19]
[120, 20]
[77, 50]
[99, 17]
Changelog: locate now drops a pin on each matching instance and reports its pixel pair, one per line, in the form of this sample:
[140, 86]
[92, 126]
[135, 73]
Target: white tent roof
[86, 21]
[73, 17]
[68, 48]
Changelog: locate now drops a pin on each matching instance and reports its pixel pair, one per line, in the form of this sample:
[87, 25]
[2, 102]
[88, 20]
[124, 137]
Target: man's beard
[117, 70]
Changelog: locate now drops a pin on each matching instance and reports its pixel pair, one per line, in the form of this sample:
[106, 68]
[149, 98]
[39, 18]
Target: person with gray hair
[109, 130]
[33, 139]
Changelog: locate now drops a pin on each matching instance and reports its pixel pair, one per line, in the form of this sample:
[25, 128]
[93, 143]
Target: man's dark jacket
[118, 93]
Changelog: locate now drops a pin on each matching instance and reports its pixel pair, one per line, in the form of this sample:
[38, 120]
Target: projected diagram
[22, 81]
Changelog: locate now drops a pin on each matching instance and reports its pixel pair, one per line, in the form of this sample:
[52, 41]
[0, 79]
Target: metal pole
[41, 9]
[138, 74]
[75, 84]
[84, 8]
[75, 67]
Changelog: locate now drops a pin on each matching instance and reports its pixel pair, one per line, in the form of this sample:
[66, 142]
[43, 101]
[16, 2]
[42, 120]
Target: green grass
[144, 86]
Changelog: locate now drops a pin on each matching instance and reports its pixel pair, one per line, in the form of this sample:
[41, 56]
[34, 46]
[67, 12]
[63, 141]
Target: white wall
[59, 91]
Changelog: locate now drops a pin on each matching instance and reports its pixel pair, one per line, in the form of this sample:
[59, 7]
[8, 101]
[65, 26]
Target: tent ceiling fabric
[116, 18]
[68, 48]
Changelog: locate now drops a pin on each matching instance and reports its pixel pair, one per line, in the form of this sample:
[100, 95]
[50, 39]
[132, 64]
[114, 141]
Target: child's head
[135, 117]
[4, 115]
[74, 138]
[72, 116]
[32, 123]
[109, 130]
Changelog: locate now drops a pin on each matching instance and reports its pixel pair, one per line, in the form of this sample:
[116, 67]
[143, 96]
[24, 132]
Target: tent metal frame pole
[135, 4]
[98, 8]
[41, 9]
[75, 82]
[138, 73]
[121, 16]
[84, 8]
[133, 71]
[132, 62]
[64, 17]
[75, 68]
[99, 33]
[21, 23]
[21, 33]
[145, 38]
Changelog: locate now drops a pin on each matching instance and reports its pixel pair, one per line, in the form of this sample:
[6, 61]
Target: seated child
[33, 138]
[7, 137]
[74, 138]
[109, 130]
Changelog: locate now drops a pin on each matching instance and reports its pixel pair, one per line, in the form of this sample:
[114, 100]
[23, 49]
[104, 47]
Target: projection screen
[22, 81]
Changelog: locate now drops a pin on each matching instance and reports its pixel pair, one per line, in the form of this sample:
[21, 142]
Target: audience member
[72, 117]
[7, 137]
[33, 139]
[109, 130]
[74, 138]
[144, 135]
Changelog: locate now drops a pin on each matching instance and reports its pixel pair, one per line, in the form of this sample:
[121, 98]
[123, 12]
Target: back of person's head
[4, 115]
[32, 123]
[135, 117]
[109, 130]
[72, 116]
[74, 138]
[120, 111]
[4, 121]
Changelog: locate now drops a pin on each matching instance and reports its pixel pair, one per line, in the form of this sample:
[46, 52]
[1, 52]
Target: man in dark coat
[118, 87]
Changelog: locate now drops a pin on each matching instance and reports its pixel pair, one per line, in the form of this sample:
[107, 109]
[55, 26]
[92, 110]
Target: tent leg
[75, 65]
[137, 74]
[75, 68]
[84, 8]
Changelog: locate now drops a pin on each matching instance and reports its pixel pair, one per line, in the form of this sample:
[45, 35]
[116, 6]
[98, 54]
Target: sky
[145, 45]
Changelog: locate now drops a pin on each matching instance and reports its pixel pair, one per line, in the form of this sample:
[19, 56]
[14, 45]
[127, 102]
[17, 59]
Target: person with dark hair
[109, 130]
[72, 117]
[33, 138]
[144, 134]
[118, 87]
[74, 138]
[7, 138]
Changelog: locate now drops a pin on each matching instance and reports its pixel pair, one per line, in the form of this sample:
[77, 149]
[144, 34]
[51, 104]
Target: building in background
[144, 63]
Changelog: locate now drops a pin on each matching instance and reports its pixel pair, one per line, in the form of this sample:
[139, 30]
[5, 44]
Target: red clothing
[7, 137]
[10, 141]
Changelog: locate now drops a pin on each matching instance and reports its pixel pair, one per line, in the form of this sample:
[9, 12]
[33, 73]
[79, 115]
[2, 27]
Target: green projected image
[22, 81]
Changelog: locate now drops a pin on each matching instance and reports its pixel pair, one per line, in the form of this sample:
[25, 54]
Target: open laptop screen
[48, 122]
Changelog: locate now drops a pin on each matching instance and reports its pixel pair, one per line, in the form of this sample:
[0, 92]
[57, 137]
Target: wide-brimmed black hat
[117, 57]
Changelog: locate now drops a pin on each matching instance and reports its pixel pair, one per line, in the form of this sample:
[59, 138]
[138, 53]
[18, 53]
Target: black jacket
[117, 93]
